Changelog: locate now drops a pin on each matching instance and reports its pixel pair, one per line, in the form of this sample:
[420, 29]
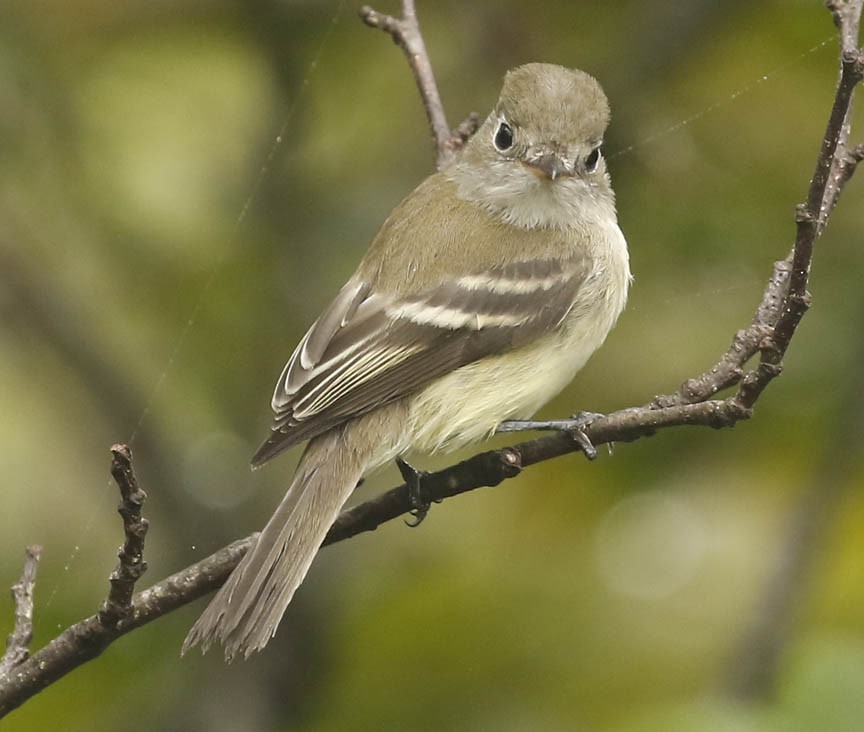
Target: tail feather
[246, 611]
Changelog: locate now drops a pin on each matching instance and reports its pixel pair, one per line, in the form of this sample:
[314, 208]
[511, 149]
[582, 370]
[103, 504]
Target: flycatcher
[483, 294]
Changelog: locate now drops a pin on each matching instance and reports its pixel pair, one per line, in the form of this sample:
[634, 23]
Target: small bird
[482, 295]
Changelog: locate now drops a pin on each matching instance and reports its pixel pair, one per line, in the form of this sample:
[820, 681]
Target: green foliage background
[160, 256]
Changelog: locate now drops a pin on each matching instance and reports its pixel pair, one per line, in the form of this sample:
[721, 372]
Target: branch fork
[405, 33]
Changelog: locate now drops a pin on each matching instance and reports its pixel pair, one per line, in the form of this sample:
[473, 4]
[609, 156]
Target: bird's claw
[417, 498]
[580, 421]
[575, 427]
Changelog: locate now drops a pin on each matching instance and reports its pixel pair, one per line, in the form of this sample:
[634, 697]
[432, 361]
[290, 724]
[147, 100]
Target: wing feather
[368, 349]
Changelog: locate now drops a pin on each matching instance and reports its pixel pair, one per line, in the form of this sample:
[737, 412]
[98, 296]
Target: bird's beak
[548, 166]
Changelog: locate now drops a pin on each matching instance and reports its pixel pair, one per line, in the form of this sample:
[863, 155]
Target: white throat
[520, 198]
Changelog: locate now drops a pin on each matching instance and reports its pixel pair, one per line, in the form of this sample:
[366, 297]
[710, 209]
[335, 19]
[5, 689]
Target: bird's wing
[368, 349]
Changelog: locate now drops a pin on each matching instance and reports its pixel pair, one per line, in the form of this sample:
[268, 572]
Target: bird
[483, 294]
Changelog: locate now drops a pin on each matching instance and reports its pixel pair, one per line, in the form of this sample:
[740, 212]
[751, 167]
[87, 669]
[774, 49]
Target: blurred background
[161, 254]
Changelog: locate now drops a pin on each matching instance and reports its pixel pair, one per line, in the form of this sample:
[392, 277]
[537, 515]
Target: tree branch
[22, 677]
[752, 674]
[834, 168]
[847, 17]
[18, 642]
[783, 304]
[86, 639]
[131, 555]
[405, 32]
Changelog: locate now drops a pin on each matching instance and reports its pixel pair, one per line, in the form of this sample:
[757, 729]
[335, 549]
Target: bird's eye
[503, 137]
[592, 160]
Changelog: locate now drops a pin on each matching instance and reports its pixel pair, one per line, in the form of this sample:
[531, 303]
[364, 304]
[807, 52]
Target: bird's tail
[245, 612]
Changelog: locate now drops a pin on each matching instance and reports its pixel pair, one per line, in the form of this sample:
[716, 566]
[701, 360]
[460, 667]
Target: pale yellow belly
[468, 404]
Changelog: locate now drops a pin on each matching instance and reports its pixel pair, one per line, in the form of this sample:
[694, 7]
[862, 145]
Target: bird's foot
[575, 427]
[417, 497]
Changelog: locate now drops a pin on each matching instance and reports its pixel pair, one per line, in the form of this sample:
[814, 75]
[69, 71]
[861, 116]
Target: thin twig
[842, 169]
[811, 216]
[465, 130]
[18, 642]
[847, 18]
[729, 369]
[405, 32]
[120, 613]
[753, 671]
[86, 639]
[131, 554]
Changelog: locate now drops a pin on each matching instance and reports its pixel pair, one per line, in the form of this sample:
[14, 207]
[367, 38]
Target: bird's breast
[469, 403]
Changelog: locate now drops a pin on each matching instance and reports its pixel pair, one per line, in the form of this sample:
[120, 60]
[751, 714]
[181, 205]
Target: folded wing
[368, 349]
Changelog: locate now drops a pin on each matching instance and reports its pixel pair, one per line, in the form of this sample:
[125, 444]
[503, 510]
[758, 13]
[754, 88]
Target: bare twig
[729, 369]
[18, 642]
[85, 640]
[405, 32]
[131, 555]
[847, 18]
[811, 216]
[752, 675]
[119, 614]
[466, 129]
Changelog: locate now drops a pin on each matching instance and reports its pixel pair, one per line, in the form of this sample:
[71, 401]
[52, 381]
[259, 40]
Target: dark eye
[503, 137]
[592, 160]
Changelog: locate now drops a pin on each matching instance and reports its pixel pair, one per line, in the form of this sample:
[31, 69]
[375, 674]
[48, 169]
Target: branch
[847, 18]
[86, 639]
[19, 639]
[405, 32]
[488, 469]
[22, 677]
[812, 216]
[753, 673]
[131, 555]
